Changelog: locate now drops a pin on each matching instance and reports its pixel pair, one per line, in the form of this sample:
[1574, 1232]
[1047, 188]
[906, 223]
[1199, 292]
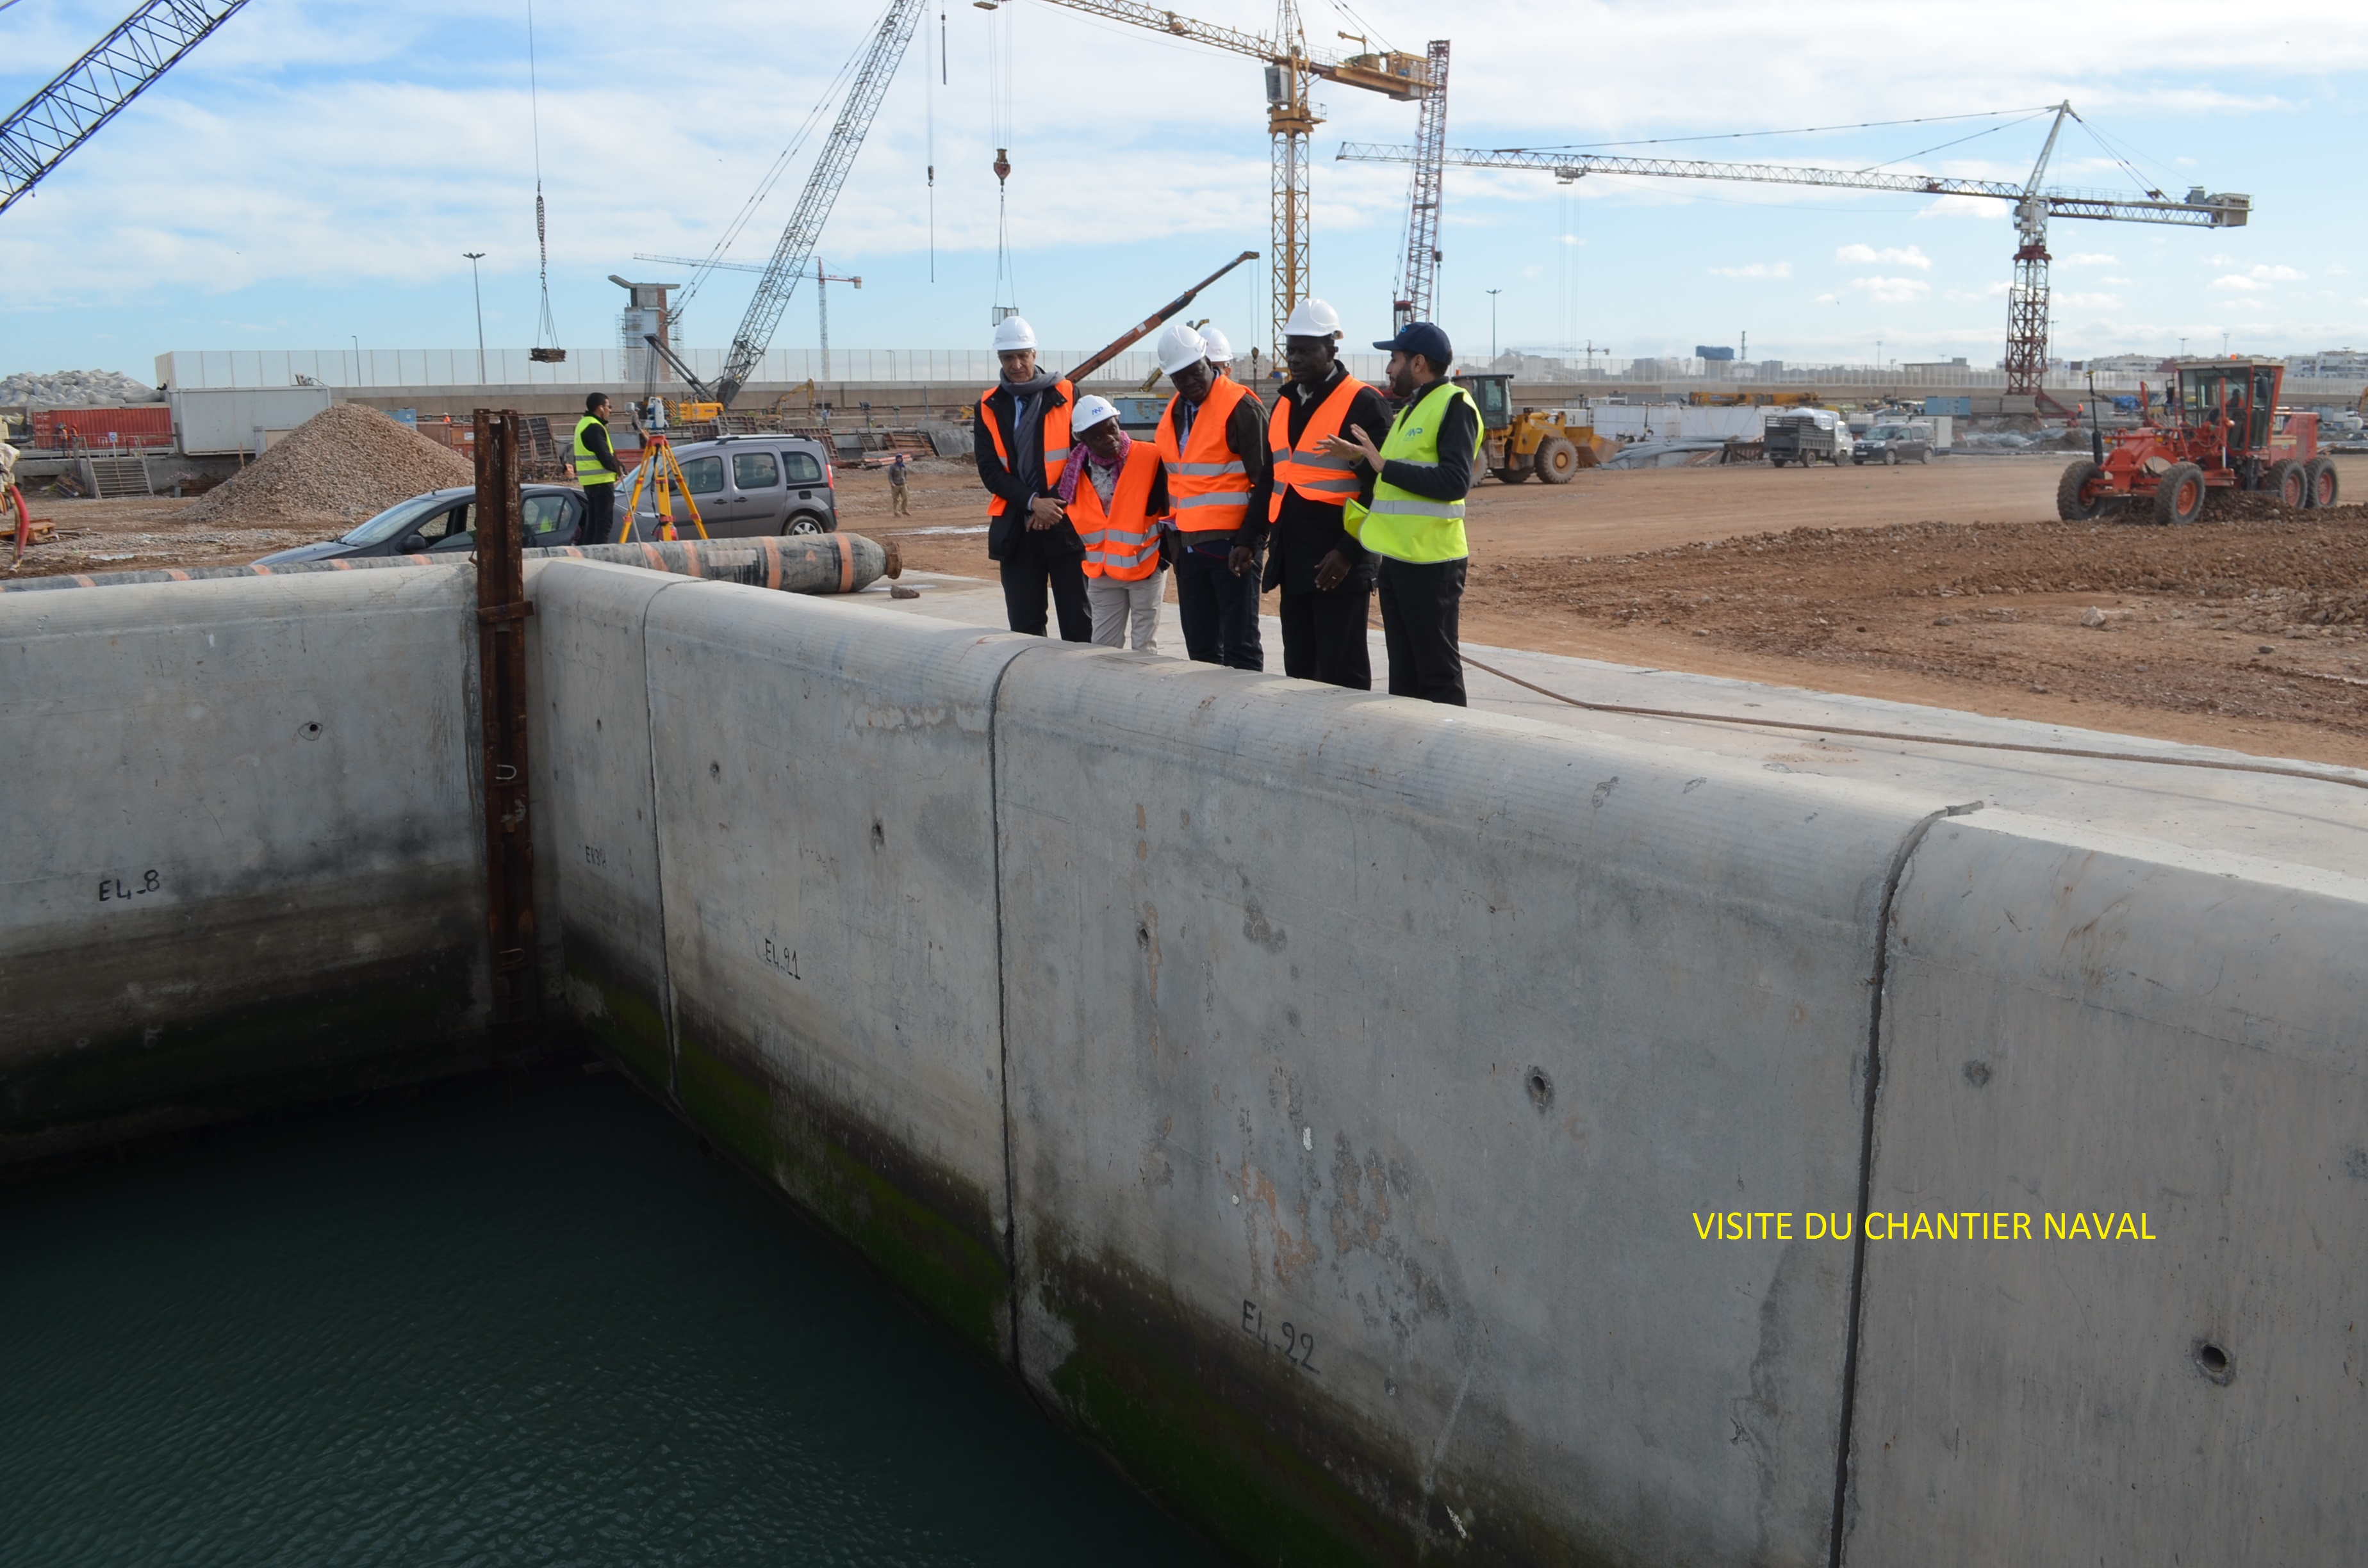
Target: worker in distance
[1412, 519]
[1022, 444]
[1211, 438]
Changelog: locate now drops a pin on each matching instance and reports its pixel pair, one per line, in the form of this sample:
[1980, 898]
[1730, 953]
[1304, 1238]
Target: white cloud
[1756, 269]
[2235, 281]
[1892, 290]
[2336, 269]
[1895, 256]
[1964, 207]
[2124, 283]
[2089, 258]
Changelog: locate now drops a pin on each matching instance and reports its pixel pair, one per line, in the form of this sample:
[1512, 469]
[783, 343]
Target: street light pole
[478, 288]
[1492, 324]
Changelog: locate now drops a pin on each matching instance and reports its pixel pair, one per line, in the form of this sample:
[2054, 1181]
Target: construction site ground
[1951, 585]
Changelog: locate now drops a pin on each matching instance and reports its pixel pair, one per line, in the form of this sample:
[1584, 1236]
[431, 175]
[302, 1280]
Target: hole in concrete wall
[2214, 1363]
[879, 836]
[1541, 1088]
[715, 770]
[308, 731]
[1977, 1074]
[1142, 937]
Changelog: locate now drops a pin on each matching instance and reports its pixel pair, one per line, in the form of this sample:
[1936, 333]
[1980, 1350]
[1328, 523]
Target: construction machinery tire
[1509, 474]
[2180, 498]
[2082, 493]
[1556, 460]
[1774, 460]
[2319, 487]
[2286, 482]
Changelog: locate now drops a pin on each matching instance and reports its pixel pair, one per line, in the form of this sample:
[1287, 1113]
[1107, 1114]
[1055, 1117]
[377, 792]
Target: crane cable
[547, 331]
[999, 74]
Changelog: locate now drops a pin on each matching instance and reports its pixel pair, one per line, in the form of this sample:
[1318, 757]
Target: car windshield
[391, 523]
[1887, 432]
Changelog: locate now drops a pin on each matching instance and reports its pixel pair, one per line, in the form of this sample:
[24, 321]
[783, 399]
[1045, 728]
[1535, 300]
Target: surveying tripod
[663, 473]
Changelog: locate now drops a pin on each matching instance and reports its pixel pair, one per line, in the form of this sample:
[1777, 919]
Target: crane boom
[799, 237]
[1421, 273]
[2200, 210]
[93, 89]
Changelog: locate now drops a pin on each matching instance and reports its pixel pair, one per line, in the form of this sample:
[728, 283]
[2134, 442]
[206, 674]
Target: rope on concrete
[2267, 767]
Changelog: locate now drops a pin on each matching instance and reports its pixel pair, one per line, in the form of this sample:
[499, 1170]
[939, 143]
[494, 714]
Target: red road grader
[2221, 429]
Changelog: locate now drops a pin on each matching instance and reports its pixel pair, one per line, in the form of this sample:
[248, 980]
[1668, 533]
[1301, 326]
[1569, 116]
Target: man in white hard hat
[1326, 576]
[1115, 488]
[1220, 349]
[1022, 438]
[1212, 440]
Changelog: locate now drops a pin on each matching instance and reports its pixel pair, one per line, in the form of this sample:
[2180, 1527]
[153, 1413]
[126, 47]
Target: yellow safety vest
[589, 469]
[1401, 524]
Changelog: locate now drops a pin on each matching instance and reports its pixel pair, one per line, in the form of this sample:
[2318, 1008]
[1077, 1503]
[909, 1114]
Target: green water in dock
[508, 1320]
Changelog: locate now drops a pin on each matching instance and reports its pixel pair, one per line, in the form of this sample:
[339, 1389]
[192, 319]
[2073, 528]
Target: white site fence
[357, 371]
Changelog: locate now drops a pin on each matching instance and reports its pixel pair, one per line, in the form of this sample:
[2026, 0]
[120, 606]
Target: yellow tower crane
[1291, 70]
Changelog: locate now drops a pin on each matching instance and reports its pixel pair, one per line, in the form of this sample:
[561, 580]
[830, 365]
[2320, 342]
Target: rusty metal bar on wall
[502, 609]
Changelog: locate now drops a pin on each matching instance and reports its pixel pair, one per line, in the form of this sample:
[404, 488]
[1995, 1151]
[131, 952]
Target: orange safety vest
[1307, 468]
[1121, 543]
[1056, 439]
[1208, 484]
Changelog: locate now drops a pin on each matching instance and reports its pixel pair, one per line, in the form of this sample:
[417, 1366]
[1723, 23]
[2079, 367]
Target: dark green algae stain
[629, 1024]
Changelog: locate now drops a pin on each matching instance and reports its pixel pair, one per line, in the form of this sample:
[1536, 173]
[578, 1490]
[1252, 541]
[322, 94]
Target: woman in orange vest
[1116, 492]
[1212, 440]
[1022, 443]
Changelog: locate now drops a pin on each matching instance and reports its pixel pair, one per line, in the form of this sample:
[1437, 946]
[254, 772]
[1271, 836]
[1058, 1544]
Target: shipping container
[218, 422]
[95, 429]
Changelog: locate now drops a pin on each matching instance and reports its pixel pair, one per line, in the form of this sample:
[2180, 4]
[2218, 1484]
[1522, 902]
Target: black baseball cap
[1424, 338]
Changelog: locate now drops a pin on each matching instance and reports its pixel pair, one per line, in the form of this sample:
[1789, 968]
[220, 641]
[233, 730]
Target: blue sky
[312, 174]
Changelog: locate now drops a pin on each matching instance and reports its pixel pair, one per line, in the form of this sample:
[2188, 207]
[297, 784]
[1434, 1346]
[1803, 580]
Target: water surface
[516, 1320]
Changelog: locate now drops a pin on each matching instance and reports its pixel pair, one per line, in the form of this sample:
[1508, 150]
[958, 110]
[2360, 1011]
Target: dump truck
[2221, 429]
[1806, 436]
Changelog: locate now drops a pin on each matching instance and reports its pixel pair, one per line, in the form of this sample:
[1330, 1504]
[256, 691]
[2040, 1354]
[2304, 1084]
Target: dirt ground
[1951, 585]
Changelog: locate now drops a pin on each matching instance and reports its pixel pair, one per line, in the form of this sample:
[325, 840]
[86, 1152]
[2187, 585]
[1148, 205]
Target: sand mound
[347, 463]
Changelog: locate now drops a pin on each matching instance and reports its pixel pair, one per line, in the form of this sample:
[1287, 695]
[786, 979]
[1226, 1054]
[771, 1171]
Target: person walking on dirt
[596, 470]
[899, 506]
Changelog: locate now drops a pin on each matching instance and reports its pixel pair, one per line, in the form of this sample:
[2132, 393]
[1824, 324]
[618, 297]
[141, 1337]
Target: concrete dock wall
[243, 858]
[1315, 1099]
[2088, 1027]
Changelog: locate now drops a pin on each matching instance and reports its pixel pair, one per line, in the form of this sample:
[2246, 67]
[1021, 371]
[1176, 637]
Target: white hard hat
[1013, 332]
[1312, 318]
[1220, 352]
[1090, 411]
[1179, 347]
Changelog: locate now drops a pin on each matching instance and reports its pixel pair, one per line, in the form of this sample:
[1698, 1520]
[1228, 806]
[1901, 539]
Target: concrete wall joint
[1899, 861]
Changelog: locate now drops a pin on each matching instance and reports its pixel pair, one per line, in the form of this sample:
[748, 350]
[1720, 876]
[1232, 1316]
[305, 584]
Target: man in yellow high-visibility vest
[596, 470]
[1415, 522]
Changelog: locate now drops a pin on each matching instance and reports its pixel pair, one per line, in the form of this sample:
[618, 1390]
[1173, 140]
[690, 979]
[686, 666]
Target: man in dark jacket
[1028, 534]
[1326, 577]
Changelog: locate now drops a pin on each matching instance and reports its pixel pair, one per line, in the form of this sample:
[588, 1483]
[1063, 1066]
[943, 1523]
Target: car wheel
[803, 523]
[1891, 459]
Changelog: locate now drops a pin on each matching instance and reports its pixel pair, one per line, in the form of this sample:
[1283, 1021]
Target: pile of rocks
[343, 464]
[75, 389]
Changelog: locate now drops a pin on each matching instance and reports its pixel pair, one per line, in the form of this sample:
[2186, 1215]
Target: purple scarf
[1067, 488]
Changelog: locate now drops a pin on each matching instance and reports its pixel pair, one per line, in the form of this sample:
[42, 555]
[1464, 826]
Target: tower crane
[794, 251]
[2026, 348]
[822, 289]
[1292, 72]
[93, 89]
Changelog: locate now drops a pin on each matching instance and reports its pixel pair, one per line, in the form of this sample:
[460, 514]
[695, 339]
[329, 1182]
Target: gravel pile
[343, 464]
[75, 388]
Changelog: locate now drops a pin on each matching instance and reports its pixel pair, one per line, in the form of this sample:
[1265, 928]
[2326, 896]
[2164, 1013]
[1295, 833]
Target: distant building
[1937, 367]
[2127, 364]
[1722, 356]
[2330, 363]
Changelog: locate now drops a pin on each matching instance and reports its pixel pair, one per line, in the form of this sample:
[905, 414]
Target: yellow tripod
[662, 473]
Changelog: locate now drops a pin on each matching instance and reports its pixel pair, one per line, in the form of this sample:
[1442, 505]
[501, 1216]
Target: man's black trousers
[1220, 611]
[1421, 607]
[1324, 636]
[1031, 576]
[599, 513]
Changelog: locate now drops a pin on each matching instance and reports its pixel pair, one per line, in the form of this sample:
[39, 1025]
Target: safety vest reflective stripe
[1056, 439]
[1122, 541]
[589, 469]
[1307, 467]
[1398, 523]
[1204, 476]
